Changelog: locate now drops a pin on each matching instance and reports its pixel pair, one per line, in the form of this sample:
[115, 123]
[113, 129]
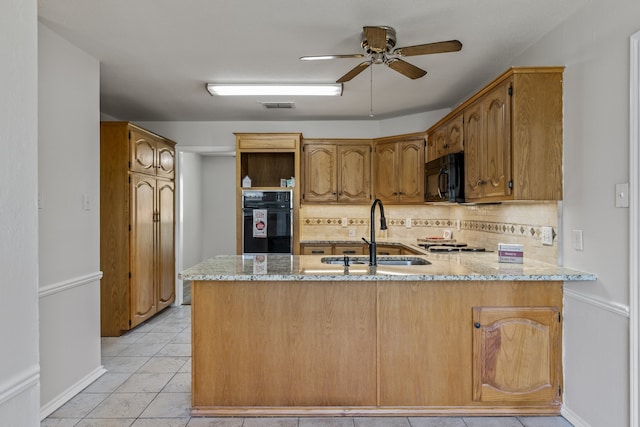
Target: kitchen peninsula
[291, 335]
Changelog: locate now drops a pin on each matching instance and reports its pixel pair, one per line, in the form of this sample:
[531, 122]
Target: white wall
[594, 47]
[69, 230]
[19, 379]
[215, 134]
[191, 195]
[218, 206]
[218, 197]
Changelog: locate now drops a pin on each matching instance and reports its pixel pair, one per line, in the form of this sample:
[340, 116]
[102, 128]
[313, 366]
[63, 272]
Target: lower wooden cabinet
[433, 354]
[389, 250]
[516, 354]
[316, 249]
[353, 249]
[382, 347]
[333, 249]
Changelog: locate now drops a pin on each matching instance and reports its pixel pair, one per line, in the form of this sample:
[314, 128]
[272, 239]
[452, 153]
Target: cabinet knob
[477, 325]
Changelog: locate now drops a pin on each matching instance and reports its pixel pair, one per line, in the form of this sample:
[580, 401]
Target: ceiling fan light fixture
[332, 89]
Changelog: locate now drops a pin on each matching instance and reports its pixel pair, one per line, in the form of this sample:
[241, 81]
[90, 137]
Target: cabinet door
[389, 250]
[354, 249]
[354, 173]
[165, 160]
[496, 168]
[385, 174]
[165, 243]
[516, 354]
[411, 171]
[454, 143]
[316, 249]
[320, 173]
[142, 260]
[142, 152]
[474, 140]
[439, 143]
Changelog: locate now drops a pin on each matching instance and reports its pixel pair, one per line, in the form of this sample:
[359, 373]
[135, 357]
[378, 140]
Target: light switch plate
[408, 223]
[577, 240]
[86, 202]
[344, 222]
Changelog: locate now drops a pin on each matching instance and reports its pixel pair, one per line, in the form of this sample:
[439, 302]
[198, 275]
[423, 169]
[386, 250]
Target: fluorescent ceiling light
[333, 89]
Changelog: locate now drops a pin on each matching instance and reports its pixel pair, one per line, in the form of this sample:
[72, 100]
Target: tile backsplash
[477, 225]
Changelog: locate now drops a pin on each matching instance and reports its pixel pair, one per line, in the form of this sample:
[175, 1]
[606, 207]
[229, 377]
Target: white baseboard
[573, 418]
[68, 394]
[21, 382]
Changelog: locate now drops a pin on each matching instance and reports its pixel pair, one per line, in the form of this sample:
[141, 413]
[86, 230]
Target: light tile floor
[148, 384]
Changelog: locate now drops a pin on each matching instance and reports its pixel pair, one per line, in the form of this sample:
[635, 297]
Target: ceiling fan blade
[406, 69]
[429, 48]
[319, 57]
[376, 38]
[354, 72]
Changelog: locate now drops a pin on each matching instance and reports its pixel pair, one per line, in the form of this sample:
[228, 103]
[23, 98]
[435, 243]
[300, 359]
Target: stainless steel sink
[341, 260]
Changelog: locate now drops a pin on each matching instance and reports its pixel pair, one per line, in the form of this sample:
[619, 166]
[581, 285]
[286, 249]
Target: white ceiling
[157, 55]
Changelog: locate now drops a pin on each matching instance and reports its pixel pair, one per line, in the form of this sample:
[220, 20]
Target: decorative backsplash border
[510, 229]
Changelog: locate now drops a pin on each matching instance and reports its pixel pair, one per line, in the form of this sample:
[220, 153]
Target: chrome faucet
[373, 259]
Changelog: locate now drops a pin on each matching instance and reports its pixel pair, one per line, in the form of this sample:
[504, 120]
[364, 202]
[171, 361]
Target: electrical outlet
[622, 195]
[407, 223]
[577, 240]
[547, 236]
[344, 222]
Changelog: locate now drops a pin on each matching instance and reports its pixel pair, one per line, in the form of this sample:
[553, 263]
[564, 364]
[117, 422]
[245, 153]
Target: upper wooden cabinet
[151, 154]
[446, 138]
[512, 137]
[488, 156]
[267, 158]
[336, 171]
[399, 168]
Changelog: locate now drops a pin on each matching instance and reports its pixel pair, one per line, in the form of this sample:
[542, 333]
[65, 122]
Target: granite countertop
[445, 266]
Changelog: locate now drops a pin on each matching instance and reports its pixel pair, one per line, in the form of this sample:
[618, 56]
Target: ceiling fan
[378, 43]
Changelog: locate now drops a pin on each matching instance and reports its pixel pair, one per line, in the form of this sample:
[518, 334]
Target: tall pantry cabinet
[137, 255]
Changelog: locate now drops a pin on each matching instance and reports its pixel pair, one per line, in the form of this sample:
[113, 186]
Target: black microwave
[444, 179]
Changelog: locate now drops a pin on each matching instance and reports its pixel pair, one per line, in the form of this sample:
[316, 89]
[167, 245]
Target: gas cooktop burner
[452, 248]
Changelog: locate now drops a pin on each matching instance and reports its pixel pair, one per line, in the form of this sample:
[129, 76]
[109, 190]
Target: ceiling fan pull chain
[371, 93]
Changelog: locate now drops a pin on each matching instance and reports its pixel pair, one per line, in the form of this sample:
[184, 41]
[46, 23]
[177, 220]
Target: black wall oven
[267, 222]
[444, 179]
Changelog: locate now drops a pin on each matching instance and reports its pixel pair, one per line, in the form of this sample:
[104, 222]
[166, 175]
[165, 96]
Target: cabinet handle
[350, 251]
[317, 252]
[477, 325]
[481, 182]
